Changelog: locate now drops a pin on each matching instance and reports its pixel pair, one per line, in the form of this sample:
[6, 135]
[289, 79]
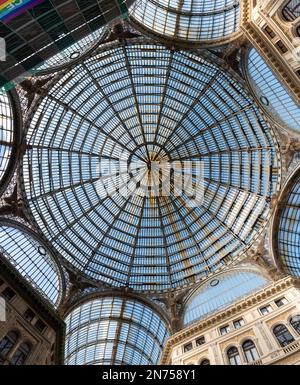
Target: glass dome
[287, 233]
[114, 331]
[32, 260]
[221, 291]
[190, 21]
[272, 94]
[7, 136]
[150, 102]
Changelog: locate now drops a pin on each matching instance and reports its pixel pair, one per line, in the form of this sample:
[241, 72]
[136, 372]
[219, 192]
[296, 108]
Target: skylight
[32, 260]
[114, 331]
[272, 94]
[188, 20]
[221, 291]
[145, 99]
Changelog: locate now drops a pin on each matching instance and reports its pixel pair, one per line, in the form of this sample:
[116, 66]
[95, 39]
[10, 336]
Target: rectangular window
[281, 302]
[8, 293]
[40, 325]
[200, 341]
[281, 47]
[238, 323]
[29, 315]
[270, 32]
[224, 330]
[188, 347]
[265, 310]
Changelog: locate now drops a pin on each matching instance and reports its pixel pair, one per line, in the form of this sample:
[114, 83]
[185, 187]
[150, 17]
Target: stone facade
[41, 329]
[257, 328]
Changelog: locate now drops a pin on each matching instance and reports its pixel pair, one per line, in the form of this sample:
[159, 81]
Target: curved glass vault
[221, 291]
[32, 260]
[291, 11]
[6, 134]
[74, 51]
[287, 233]
[191, 21]
[151, 103]
[114, 331]
[272, 94]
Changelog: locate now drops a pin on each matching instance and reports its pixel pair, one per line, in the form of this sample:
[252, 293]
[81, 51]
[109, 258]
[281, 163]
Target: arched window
[295, 322]
[292, 10]
[250, 351]
[283, 336]
[205, 362]
[21, 354]
[233, 356]
[6, 344]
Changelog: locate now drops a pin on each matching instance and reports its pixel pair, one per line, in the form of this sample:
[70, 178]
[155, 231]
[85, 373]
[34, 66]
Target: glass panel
[75, 50]
[21, 355]
[288, 232]
[273, 95]
[283, 336]
[6, 132]
[114, 331]
[295, 322]
[32, 261]
[188, 20]
[231, 287]
[250, 351]
[7, 343]
[292, 10]
[234, 356]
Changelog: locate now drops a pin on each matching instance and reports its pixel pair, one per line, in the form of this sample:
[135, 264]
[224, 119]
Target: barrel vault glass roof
[6, 133]
[291, 11]
[72, 52]
[32, 260]
[50, 27]
[272, 94]
[114, 331]
[288, 240]
[221, 291]
[189, 20]
[174, 105]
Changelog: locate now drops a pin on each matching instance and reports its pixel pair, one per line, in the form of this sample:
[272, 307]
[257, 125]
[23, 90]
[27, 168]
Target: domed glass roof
[151, 103]
[190, 21]
[32, 260]
[114, 331]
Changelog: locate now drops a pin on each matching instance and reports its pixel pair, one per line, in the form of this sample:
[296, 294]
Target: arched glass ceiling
[288, 233]
[71, 53]
[149, 101]
[222, 291]
[291, 10]
[114, 331]
[6, 134]
[187, 20]
[32, 260]
[272, 93]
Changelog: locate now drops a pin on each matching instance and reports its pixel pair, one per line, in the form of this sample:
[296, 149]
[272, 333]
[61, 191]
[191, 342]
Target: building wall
[42, 342]
[257, 327]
